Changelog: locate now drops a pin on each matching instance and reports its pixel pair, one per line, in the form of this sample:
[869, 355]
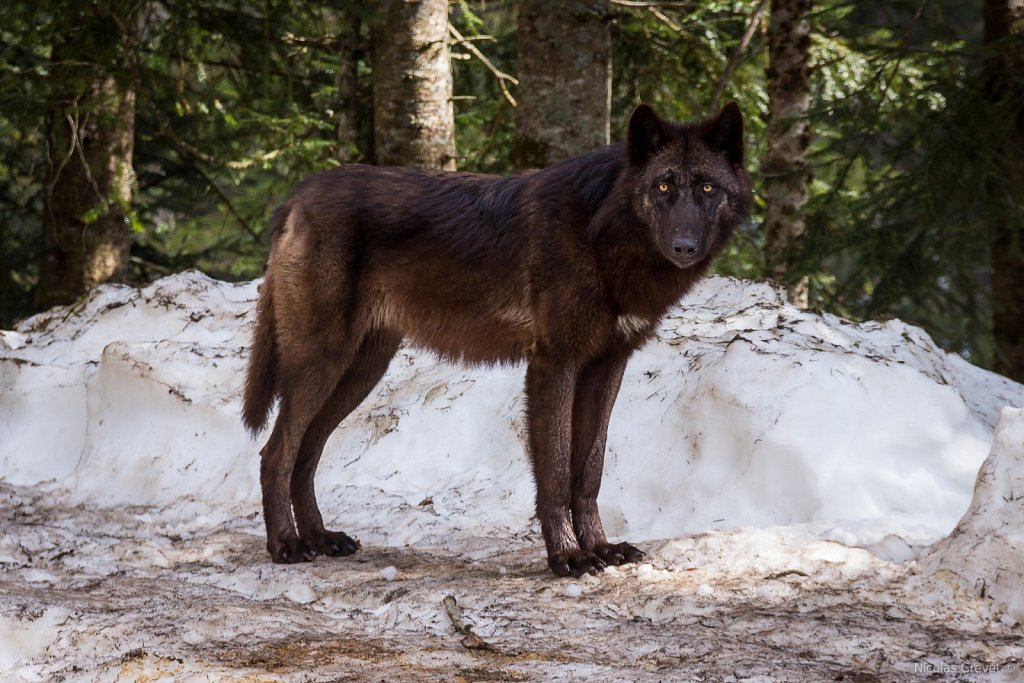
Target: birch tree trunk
[89, 175]
[1004, 80]
[413, 116]
[565, 74]
[786, 175]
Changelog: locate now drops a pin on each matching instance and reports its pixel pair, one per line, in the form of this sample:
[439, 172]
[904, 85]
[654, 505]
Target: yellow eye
[662, 187]
[708, 187]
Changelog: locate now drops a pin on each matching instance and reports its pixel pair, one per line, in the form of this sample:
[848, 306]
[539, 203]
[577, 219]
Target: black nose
[684, 246]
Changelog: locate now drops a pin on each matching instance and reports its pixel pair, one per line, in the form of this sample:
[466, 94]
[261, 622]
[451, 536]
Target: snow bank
[984, 554]
[744, 412]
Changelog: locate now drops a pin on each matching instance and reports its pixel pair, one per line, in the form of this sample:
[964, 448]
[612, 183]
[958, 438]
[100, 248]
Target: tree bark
[413, 115]
[1004, 81]
[89, 175]
[346, 112]
[565, 75]
[786, 174]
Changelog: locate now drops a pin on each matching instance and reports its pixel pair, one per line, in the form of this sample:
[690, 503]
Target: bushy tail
[260, 387]
[260, 383]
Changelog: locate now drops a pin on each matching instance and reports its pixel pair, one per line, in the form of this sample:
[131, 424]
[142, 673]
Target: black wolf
[569, 268]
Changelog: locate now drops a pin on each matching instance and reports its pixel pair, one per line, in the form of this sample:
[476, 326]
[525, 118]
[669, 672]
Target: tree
[413, 116]
[350, 46]
[90, 139]
[1004, 66]
[785, 169]
[565, 75]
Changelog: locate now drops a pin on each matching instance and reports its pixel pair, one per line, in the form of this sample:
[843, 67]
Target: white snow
[782, 469]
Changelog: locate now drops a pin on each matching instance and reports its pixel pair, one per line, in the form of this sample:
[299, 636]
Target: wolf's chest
[628, 325]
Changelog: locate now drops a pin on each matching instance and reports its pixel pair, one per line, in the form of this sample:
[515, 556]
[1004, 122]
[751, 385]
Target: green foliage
[234, 104]
[24, 72]
[239, 106]
[899, 208]
[673, 57]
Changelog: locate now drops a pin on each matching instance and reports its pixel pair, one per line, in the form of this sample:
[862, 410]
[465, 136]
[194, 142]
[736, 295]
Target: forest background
[886, 138]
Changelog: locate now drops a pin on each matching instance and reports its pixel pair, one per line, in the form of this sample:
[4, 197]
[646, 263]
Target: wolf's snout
[684, 246]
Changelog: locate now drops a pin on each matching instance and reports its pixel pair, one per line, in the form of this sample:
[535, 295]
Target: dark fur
[569, 268]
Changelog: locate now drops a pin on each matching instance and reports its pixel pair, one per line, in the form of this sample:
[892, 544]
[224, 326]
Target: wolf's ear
[724, 131]
[646, 134]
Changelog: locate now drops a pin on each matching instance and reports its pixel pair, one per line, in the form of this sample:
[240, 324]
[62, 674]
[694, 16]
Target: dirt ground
[101, 595]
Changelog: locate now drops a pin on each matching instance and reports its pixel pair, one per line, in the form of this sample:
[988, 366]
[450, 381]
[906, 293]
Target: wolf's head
[688, 183]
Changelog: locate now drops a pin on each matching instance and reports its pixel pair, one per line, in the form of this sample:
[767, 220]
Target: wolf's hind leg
[303, 393]
[367, 367]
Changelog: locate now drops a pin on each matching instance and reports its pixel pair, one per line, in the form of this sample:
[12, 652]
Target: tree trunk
[348, 67]
[413, 116]
[786, 175]
[1004, 81]
[565, 75]
[89, 175]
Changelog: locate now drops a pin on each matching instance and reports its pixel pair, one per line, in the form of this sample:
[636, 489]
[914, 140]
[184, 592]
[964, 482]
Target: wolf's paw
[335, 544]
[619, 553]
[292, 551]
[576, 563]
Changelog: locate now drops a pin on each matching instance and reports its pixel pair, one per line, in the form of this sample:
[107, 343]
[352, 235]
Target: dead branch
[737, 54]
[498, 73]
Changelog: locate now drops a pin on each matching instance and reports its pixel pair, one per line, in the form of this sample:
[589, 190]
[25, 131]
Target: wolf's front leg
[596, 390]
[550, 386]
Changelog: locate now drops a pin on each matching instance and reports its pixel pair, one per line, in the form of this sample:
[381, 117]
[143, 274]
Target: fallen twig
[470, 640]
[788, 572]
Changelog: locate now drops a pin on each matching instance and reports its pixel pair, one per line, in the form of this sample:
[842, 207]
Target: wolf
[568, 268]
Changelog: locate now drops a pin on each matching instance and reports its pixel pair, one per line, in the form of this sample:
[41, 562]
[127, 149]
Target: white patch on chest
[629, 325]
